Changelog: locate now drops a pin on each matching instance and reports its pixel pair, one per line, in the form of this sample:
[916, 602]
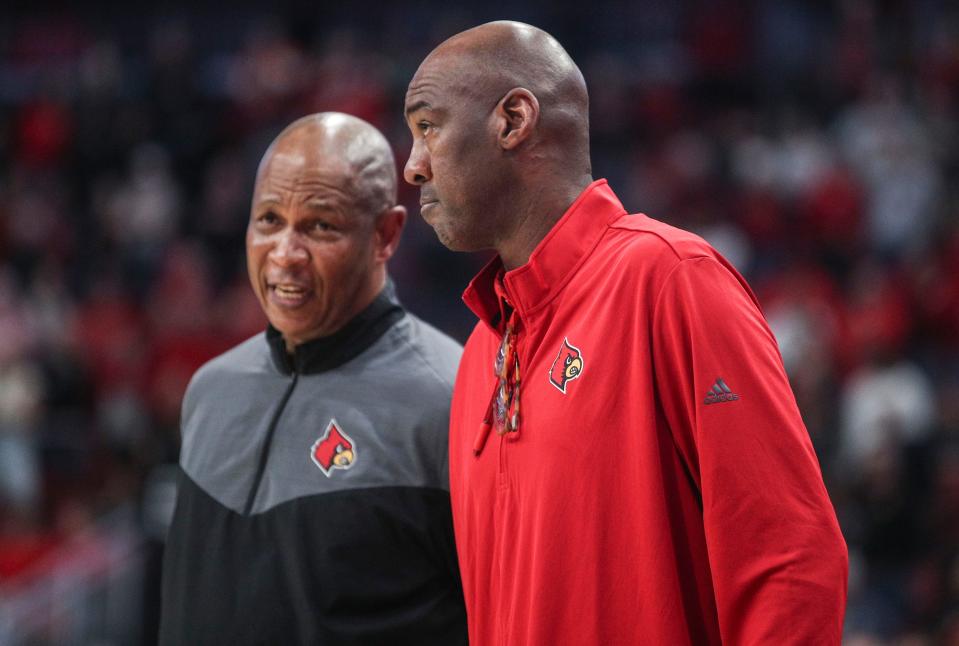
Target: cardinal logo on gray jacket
[335, 450]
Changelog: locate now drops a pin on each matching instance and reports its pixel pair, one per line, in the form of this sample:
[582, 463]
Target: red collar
[551, 264]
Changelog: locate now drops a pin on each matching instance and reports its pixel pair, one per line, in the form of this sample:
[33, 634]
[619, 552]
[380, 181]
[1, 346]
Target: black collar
[328, 352]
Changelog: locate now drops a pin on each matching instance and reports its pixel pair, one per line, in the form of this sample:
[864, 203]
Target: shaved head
[360, 151]
[493, 58]
[500, 121]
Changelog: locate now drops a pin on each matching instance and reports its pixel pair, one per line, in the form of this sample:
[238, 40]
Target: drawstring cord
[485, 425]
[503, 408]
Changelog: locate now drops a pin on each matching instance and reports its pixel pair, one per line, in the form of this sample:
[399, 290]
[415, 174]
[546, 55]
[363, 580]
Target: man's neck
[535, 219]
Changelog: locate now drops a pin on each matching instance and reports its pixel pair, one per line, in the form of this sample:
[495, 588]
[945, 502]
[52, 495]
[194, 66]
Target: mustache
[288, 278]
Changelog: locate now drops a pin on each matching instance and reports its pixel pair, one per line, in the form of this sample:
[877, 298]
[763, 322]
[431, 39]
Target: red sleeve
[778, 560]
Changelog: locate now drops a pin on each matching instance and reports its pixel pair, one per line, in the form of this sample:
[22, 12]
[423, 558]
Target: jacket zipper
[267, 443]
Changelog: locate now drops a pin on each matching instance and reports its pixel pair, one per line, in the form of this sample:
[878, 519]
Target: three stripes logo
[720, 392]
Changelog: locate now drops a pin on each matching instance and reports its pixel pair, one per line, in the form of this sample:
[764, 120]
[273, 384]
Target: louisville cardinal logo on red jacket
[334, 450]
[567, 366]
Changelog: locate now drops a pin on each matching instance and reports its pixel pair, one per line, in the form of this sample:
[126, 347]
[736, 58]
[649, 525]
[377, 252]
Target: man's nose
[289, 249]
[417, 170]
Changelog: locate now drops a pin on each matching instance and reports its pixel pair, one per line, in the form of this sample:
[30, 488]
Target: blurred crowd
[816, 144]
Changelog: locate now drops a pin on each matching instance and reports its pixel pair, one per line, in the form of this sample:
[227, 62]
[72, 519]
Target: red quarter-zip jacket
[661, 487]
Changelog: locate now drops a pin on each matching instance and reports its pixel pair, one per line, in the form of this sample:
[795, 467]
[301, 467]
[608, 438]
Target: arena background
[814, 143]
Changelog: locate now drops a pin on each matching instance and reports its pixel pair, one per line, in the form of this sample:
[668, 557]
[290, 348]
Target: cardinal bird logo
[335, 450]
[567, 366]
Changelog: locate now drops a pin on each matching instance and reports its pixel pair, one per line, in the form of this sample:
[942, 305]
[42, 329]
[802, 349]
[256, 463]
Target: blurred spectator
[21, 395]
[884, 407]
[889, 146]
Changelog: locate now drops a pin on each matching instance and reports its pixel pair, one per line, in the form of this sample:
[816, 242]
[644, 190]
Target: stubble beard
[459, 239]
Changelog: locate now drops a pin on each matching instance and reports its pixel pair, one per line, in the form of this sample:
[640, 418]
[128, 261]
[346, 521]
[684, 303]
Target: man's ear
[517, 114]
[389, 227]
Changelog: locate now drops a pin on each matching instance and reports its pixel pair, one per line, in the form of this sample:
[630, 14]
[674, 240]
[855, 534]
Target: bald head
[500, 122]
[490, 60]
[506, 54]
[354, 151]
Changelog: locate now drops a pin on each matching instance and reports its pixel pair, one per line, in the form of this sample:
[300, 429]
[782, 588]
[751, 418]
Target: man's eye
[424, 126]
[321, 226]
[268, 218]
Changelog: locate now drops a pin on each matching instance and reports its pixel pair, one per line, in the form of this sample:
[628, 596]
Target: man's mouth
[288, 294]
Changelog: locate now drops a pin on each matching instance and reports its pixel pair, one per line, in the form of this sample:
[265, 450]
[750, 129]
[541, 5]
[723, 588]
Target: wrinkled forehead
[303, 169]
[442, 79]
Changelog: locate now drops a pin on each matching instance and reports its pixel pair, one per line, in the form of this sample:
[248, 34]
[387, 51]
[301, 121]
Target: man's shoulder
[426, 351]
[251, 355]
[651, 238]
[655, 252]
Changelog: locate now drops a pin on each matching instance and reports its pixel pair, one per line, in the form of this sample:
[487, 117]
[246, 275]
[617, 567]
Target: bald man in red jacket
[627, 461]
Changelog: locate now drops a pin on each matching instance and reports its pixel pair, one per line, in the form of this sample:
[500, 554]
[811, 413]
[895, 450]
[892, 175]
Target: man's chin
[447, 241]
[454, 243]
[453, 240]
[295, 332]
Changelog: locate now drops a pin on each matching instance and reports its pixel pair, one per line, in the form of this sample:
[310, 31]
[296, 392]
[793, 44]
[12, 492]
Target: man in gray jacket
[313, 498]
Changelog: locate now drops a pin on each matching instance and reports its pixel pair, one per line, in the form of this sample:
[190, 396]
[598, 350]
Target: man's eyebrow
[419, 105]
[320, 204]
[267, 200]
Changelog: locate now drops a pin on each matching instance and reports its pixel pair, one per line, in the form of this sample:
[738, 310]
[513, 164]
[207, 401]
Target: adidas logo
[720, 393]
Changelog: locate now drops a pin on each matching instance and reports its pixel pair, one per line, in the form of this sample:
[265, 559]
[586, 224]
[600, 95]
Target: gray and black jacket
[313, 497]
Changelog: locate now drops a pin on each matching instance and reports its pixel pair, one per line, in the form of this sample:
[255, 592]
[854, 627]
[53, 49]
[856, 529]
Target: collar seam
[564, 220]
[555, 292]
